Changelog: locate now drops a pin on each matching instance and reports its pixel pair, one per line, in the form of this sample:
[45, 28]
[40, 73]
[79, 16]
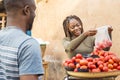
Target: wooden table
[45, 65]
[2, 22]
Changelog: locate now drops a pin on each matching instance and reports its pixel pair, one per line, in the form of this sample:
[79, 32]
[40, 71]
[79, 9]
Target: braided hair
[66, 24]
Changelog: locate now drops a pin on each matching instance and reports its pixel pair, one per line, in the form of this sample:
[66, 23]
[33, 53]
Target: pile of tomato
[106, 61]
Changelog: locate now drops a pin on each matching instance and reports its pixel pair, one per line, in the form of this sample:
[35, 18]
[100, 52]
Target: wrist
[85, 34]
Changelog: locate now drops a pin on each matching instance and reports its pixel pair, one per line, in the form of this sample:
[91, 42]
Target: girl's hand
[110, 29]
[90, 32]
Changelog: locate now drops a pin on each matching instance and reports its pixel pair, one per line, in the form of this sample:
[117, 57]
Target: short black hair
[14, 5]
[66, 24]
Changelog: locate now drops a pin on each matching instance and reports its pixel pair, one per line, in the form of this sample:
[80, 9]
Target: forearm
[29, 77]
[75, 43]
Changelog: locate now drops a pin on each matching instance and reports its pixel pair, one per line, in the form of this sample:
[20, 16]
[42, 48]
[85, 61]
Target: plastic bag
[102, 38]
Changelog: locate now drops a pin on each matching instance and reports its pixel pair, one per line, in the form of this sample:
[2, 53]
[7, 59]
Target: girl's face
[74, 27]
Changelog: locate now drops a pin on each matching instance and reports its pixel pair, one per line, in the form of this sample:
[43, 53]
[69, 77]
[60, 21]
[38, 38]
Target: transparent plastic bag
[102, 38]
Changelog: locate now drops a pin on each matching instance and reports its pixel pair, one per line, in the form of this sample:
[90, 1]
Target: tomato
[75, 70]
[118, 67]
[110, 61]
[114, 69]
[101, 66]
[110, 70]
[107, 58]
[83, 67]
[77, 65]
[92, 66]
[115, 59]
[101, 53]
[115, 65]
[73, 59]
[71, 65]
[102, 58]
[105, 64]
[96, 70]
[79, 56]
[90, 63]
[105, 69]
[99, 62]
[110, 66]
[77, 60]
[95, 60]
[69, 61]
[83, 62]
[89, 59]
[66, 64]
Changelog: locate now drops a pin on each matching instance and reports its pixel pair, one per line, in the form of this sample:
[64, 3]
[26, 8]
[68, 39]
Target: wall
[94, 13]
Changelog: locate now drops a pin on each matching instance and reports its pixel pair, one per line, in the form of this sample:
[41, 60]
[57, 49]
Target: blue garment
[29, 33]
[20, 54]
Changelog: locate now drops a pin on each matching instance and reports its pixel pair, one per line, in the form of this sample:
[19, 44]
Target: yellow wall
[50, 15]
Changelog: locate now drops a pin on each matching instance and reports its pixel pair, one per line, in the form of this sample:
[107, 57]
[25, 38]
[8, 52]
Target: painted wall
[94, 13]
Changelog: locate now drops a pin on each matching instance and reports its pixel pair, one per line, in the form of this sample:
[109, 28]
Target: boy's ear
[26, 10]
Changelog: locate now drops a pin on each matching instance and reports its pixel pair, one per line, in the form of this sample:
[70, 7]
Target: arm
[110, 29]
[70, 46]
[75, 43]
[30, 60]
[29, 77]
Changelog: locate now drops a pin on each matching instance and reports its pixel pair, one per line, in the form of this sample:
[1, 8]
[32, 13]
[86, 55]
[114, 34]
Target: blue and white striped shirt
[19, 54]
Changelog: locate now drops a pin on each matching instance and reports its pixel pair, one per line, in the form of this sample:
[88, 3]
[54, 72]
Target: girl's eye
[77, 25]
[72, 27]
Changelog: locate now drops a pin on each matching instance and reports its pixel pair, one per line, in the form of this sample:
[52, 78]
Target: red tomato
[110, 66]
[83, 62]
[102, 58]
[77, 65]
[99, 62]
[110, 70]
[77, 60]
[114, 70]
[115, 59]
[75, 70]
[66, 64]
[78, 56]
[89, 59]
[118, 67]
[73, 59]
[107, 58]
[83, 67]
[101, 53]
[101, 66]
[92, 66]
[106, 54]
[71, 65]
[115, 65]
[110, 61]
[105, 69]
[96, 70]
[69, 61]
[90, 63]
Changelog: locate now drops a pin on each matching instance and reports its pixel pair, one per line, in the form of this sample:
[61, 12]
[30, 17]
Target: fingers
[110, 29]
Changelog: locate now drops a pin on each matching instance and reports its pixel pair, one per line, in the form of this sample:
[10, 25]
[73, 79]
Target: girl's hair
[66, 24]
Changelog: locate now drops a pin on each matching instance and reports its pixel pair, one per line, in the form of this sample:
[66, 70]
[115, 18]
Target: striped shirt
[19, 54]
